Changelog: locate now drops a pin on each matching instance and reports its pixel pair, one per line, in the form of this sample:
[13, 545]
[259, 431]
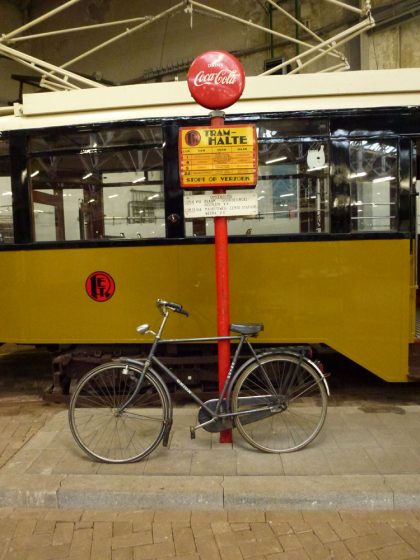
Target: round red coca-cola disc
[216, 79]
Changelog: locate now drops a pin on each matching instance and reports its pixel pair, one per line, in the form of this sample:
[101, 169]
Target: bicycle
[120, 411]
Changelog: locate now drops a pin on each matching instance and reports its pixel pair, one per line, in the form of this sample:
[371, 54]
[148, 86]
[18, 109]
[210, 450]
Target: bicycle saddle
[247, 328]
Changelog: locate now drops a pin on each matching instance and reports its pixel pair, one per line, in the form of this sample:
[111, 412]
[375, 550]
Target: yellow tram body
[355, 294]
[311, 292]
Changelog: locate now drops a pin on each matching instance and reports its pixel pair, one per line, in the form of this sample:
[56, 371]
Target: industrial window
[6, 210]
[97, 185]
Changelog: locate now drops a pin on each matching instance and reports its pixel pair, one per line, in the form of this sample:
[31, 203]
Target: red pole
[222, 288]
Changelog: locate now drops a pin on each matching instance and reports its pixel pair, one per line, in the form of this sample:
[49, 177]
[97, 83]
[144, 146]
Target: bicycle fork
[146, 365]
[168, 421]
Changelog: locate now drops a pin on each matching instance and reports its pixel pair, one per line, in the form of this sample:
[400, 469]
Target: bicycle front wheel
[282, 401]
[104, 428]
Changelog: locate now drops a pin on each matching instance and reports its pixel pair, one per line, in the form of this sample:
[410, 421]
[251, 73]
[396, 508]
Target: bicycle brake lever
[176, 307]
[160, 304]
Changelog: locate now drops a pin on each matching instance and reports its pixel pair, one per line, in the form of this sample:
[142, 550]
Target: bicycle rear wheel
[106, 432]
[284, 402]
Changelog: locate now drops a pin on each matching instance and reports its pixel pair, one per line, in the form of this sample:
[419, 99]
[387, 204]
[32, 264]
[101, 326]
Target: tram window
[6, 213]
[109, 187]
[373, 176]
[63, 140]
[292, 192]
[271, 130]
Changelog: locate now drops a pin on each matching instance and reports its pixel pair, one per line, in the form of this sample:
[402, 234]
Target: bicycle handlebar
[162, 305]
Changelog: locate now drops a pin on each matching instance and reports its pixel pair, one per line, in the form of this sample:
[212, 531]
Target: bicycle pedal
[192, 432]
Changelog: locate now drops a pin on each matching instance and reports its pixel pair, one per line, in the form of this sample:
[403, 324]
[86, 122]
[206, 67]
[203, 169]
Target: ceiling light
[359, 174]
[382, 179]
[318, 168]
[282, 158]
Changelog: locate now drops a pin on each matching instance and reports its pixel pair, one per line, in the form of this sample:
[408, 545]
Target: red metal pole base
[223, 315]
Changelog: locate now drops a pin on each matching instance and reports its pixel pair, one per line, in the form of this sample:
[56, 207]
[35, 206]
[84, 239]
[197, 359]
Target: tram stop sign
[216, 79]
[219, 155]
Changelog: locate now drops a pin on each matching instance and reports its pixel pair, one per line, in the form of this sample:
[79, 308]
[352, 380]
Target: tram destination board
[224, 156]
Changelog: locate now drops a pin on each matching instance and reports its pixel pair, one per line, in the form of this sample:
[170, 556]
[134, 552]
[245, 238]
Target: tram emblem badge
[100, 286]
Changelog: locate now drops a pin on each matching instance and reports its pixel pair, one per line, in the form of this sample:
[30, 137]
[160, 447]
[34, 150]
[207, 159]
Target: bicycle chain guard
[218, 424]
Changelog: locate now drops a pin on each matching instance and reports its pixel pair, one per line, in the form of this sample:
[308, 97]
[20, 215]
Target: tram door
[414, 348]
[48, 215]
[416, 175]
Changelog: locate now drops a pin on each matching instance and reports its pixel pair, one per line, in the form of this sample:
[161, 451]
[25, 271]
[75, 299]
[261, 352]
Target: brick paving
[40, 533]
[20, 420]
[43, 534]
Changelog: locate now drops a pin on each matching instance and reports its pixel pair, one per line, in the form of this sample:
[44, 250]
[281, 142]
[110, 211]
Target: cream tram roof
[356, 89]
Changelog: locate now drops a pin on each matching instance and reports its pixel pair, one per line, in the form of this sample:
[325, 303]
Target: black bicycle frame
[222, 399]
[151, 358]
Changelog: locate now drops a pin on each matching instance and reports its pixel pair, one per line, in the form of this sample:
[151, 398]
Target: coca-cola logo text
[216, 79]
[223, 77]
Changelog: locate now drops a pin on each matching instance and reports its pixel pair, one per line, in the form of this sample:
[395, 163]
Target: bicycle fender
[273, 352]
[321, 375]
[305, 359]
[300, 355]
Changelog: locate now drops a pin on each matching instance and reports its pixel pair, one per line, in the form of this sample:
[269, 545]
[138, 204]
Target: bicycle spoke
[292, 403]
[104, 427]
[142, 416]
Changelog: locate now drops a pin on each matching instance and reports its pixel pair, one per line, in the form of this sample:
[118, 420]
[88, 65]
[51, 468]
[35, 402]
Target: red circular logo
[192, 138]
[216, 79]
[100, 286]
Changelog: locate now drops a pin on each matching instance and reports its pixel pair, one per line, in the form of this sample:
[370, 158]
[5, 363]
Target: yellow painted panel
[354, 296]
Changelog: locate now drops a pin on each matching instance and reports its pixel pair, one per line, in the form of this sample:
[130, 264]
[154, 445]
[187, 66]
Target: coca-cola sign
[216, 79]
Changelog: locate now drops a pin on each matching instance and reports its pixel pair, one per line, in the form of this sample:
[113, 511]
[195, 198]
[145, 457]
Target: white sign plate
[220, 205]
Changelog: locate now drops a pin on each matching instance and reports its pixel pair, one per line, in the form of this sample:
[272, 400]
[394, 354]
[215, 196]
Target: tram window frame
[301, 177]
[99, 218]
[173, 194]
[7, 236]
[357, 187]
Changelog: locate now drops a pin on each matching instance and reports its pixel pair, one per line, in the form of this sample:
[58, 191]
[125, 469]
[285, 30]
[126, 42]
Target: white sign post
[213, 205]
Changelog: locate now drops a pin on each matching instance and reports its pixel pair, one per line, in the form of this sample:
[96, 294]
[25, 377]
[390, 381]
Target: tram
[92, 226]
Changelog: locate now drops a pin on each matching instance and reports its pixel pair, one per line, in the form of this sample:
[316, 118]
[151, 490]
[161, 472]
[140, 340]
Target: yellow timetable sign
[222, 156]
